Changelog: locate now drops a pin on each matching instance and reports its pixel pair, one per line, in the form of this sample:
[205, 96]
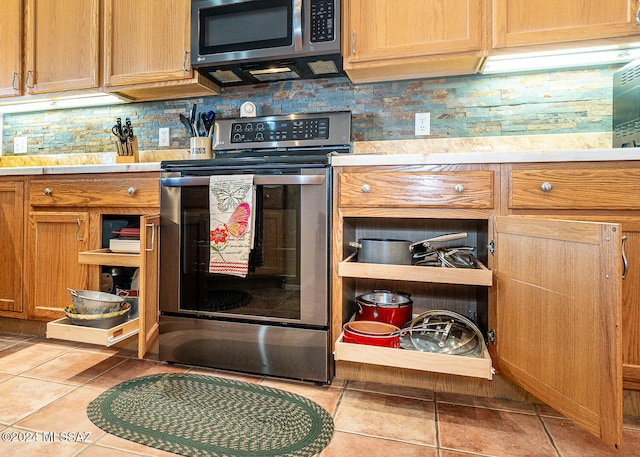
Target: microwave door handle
[258, 180]
[297, 25]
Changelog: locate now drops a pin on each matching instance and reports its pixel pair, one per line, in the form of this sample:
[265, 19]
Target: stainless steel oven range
[274, 320]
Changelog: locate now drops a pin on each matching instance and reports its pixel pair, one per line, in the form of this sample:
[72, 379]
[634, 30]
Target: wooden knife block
[127, 152]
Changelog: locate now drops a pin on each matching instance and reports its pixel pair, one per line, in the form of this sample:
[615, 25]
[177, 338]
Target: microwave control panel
[322, 20]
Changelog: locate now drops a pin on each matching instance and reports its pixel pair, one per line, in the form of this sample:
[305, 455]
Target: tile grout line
[547, 432]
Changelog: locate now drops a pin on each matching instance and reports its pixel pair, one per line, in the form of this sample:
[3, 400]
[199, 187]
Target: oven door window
[286, 266]
[246, 26]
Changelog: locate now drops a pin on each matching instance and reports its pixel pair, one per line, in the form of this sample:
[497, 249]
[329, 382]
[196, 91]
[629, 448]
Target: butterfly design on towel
[229, 195]
[236, 225]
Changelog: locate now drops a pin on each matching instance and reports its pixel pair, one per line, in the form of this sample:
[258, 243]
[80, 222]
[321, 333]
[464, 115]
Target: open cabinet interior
[467, 300]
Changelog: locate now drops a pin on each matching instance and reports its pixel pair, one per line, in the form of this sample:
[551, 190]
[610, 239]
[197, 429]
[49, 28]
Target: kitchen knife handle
[297, 24]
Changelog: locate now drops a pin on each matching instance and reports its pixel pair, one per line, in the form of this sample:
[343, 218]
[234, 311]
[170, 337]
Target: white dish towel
[231, 223]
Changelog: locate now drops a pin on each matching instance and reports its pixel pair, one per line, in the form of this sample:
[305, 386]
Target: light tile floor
[45, 387]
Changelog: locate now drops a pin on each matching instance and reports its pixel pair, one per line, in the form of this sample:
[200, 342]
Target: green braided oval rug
[198, 415]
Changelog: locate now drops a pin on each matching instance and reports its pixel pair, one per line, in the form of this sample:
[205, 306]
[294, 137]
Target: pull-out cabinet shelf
[64, 329]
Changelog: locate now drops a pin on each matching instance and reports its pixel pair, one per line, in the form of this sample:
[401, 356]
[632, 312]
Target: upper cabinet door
[62, 45]
[11, 48]
[558, 316]
[381, 29]
[146, 41]
[526, 22]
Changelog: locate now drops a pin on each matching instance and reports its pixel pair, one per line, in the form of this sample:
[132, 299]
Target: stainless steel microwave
[249, 41]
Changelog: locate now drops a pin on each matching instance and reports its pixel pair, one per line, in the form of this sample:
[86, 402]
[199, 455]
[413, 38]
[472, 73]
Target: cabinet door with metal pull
[49, 235]
[558, 317]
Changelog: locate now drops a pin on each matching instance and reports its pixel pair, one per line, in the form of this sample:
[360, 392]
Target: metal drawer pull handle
[353, 42]
[26, 82]
[638, 16]
[153, 238]
[14, 76]
[78, 239]
[546, 186]
[47, 191]
[624, 258]
[366, 188]
[184, 61]
[131, 190]
[459, 188]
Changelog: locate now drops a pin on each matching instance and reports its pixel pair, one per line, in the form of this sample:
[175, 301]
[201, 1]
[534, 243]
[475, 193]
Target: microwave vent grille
[626, 106]
[629, 75]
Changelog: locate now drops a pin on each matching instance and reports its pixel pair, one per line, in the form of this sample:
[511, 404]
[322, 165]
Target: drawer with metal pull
[574, 188]
[460, 189]
[128, 190]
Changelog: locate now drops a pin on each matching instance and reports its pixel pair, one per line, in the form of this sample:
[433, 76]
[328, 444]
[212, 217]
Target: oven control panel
[267, 131]
[281, 131]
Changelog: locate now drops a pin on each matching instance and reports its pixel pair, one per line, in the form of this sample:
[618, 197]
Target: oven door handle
[258, 180]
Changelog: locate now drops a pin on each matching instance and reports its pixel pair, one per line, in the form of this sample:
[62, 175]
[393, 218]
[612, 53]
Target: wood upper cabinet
[11, 247]
[524, 22]
[62, 48]
[11, 48]
[147, 51]
[404, 39]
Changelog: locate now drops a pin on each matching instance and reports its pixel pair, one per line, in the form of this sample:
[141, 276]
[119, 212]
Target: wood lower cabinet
[406, 39]
[598, 192]
[524, 23]
[413, 203]
[11, 247]
[54, 240]
[552, 237]
[65, 249]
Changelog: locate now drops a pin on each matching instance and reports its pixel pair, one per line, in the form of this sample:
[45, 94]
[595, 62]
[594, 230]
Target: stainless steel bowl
[94, 302]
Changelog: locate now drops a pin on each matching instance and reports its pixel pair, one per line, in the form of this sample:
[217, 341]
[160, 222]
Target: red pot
[394, 308]
[372, 333]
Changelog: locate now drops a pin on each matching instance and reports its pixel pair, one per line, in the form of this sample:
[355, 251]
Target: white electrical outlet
[423, 124]
[20, 145]
[164, 136]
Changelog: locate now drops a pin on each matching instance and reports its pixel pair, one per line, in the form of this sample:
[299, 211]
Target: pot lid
[445, 332]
